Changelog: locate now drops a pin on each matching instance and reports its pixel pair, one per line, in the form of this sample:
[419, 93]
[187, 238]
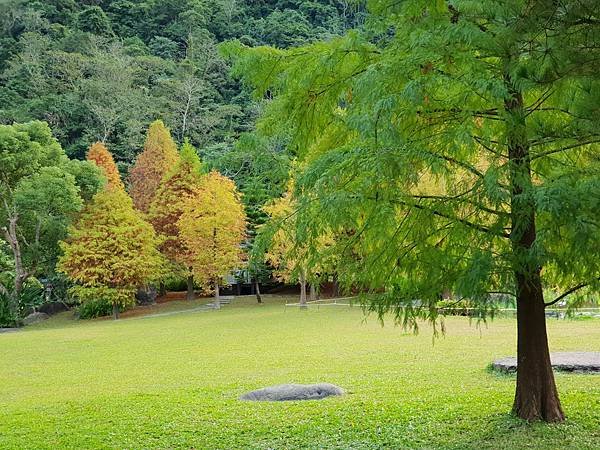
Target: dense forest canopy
[103, 70]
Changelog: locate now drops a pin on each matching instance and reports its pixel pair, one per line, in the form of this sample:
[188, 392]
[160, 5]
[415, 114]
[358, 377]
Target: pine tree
[99, 154]
[111, 250]
[212, 227]
[180, 183]
[158, 157]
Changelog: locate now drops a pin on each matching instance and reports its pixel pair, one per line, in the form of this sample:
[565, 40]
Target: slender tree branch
[469, 224]
[562, 149]
[566, 293]
[455, 161]
[462, 200]
[487, 147]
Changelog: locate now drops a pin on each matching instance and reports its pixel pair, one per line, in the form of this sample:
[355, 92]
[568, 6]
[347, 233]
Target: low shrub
[7, 319]
[98, 301]
[91, 309]
[32, 297]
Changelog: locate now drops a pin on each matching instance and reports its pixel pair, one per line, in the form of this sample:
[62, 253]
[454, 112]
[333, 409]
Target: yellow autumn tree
[283, 253]
[212, 226]
[99, 154]
[158, 157]
[111, 251]
[286, 255]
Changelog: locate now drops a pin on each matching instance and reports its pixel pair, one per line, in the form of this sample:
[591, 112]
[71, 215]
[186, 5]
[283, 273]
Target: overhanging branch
[567, 293]
[562, 149]
[475, 226]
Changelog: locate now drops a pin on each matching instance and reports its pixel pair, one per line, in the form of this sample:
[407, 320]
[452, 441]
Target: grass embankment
[172, 381]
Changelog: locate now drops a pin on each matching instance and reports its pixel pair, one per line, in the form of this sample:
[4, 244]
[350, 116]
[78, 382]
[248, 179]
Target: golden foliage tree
[283, 255]
[158, 157]
[180, 183]
[289, 257]
[99, 154]
[111, 250]
[213, 227]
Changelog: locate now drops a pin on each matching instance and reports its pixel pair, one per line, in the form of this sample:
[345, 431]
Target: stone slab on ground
[288, 392]
[9, 330]
[564, 361]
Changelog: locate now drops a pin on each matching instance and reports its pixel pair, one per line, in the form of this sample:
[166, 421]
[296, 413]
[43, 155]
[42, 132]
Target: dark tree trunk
[303, 290]
[190, 287]
[312, 292]
[21, 274]
[162, 289]
[257, 291]
[115, 311]
[536, 395]
[217, 295]
[336, 287]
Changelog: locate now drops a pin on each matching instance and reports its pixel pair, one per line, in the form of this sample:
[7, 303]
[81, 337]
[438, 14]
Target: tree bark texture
[190, 287]
[257, 291]
[303, 290]
[217, 294]
[536, 396]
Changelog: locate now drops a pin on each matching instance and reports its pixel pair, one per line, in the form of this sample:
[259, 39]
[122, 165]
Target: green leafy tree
[260, 168]
[40, 191]
[93, 20]
[450, 142]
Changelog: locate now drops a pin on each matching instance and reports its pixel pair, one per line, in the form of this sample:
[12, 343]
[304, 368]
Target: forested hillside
[104, 69]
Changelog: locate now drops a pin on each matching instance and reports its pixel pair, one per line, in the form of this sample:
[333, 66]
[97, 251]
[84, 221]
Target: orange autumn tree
[158, 157]
[213, 227]
[99, 154]
[180, 183]
[111, 251]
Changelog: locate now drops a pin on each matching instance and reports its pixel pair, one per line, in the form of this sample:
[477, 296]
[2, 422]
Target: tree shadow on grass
[506, 431]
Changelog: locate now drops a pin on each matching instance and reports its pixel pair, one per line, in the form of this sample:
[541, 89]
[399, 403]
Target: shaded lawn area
[172, 381]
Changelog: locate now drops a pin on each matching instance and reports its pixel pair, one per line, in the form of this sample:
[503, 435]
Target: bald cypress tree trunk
[303, 290]
[190, 287]
[336, 286]
[536, 395]
[257, 290]
[217, 304]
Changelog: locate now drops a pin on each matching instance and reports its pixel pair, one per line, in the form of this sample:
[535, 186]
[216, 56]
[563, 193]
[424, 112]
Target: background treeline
[102, 70]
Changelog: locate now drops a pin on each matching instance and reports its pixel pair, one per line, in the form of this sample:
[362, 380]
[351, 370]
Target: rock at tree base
[287, 392]
[146, 296]
[565, 361]
[35, 318]
[51, 308]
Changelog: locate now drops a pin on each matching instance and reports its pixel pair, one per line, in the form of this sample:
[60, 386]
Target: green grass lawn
[173, 381]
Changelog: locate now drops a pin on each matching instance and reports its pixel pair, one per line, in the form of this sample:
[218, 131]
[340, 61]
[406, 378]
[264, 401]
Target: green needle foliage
[453, 147]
